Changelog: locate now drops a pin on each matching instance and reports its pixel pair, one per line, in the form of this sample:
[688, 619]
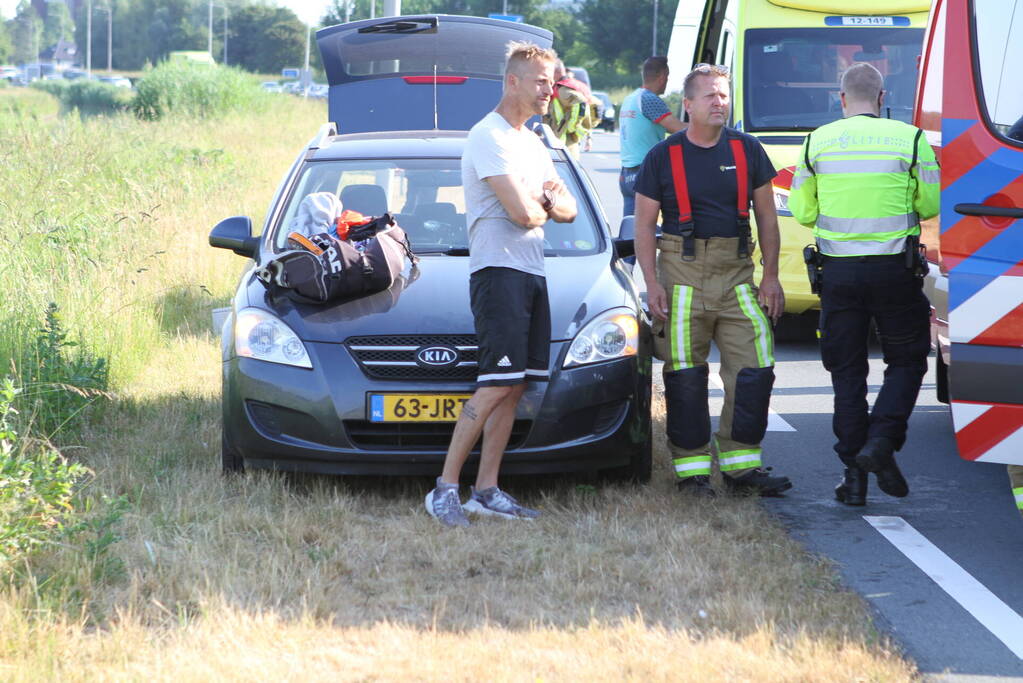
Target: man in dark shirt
[702, 288]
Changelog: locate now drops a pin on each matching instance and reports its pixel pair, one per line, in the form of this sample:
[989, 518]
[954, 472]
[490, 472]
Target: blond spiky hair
[520, 52]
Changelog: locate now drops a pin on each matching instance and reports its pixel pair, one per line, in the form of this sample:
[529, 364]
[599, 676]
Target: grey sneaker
[443, 505]
[493, 502]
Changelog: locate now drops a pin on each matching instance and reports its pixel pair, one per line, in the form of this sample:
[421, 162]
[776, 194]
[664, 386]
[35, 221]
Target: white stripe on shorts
[500, 375]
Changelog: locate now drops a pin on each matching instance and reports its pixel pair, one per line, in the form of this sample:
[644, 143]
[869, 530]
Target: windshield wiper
[403, 26]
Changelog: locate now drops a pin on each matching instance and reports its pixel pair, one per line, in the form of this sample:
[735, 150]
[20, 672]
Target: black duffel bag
[325, 268]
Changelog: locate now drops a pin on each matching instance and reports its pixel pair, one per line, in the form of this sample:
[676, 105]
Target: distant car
[580, 74]
[293, 87]
[74, 74]
[607, 111]
[319, 91]
[270, 86]
[374, 385]
[118, 81]
[9, 72]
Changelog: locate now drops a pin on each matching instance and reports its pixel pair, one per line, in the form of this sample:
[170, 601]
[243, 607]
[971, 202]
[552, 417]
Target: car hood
[434, 299]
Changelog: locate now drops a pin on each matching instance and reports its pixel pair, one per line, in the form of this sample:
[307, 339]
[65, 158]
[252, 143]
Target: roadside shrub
[62, 379]
[93, 97]
[193, 89]
[37, 486]
[55, 88]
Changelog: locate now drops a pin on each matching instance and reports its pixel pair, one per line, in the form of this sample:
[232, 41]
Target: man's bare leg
[475, 414]
[495, 437]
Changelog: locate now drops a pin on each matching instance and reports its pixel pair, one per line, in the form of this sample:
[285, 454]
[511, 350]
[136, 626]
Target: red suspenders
[685, 209]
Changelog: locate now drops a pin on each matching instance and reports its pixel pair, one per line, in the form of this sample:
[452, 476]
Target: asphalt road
[959, 522]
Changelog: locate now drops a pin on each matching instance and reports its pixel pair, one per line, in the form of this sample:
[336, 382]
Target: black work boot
[852, 490]
[698, 486]
[758, 481]
[876, 456]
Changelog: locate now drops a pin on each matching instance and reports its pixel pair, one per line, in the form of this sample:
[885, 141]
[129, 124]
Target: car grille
[414, 436]
[394, 357]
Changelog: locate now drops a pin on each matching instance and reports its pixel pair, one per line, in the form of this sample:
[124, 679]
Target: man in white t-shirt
[511, 190]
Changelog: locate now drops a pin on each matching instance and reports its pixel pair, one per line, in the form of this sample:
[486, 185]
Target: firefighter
[863, 184]
[569, 113]
[703, 179]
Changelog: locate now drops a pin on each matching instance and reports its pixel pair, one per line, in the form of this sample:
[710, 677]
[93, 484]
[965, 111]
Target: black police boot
[852, 490]
[876, 456]
[758, 481]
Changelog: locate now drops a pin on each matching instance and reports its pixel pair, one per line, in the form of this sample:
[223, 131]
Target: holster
[916, 256]
[814, 268]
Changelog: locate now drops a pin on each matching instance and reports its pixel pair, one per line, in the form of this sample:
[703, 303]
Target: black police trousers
[856, 290]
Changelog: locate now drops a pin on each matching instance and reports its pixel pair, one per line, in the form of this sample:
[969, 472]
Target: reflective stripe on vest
[865, 185]
[1018, 493]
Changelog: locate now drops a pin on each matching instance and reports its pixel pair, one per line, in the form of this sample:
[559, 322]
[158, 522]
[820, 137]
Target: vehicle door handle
[985, 210]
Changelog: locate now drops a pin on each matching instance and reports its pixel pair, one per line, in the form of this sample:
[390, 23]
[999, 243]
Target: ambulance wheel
[231, 462]
[940, 378]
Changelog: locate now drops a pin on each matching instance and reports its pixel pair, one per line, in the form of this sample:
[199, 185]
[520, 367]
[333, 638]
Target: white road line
[775, 422]
[975, 598]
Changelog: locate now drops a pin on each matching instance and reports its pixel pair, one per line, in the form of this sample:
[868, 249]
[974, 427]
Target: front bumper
[286, 418]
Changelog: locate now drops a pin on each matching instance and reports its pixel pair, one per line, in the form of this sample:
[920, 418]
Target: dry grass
[297, 578]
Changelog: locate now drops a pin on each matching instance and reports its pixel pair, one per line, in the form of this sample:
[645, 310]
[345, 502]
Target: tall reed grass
[196, 90]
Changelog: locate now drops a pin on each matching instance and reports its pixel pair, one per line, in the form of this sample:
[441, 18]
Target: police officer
[703, 179]
[863, 184]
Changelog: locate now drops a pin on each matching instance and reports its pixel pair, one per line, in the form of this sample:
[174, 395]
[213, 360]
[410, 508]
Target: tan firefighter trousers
[712, 298]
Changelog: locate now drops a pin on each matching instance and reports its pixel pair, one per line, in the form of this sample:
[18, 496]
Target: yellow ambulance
[787, 57]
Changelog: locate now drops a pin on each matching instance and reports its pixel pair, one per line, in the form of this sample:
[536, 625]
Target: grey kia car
[374, 385]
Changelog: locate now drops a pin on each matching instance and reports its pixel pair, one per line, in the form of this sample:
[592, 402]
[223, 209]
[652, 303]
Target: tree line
[611, 38]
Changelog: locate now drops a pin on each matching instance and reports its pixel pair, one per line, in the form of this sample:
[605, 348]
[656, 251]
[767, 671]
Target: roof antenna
[435, 127]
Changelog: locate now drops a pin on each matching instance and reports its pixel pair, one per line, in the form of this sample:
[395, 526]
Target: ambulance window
[999, 49]
[933, 76]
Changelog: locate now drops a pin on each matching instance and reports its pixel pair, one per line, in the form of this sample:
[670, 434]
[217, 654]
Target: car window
[999, 36]
[427, 199]
[791, 75]
[455, 48]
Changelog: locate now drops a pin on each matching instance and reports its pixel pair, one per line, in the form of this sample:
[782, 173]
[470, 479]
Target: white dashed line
[972, 595]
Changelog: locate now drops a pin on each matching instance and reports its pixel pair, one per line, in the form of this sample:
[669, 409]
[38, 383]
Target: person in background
[643, 120]
[569, 113]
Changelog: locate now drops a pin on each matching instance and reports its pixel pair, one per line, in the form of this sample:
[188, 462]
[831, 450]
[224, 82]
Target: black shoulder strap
[916, 148]
[806, 155]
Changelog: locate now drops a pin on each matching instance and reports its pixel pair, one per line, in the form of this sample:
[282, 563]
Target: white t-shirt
[496, 148]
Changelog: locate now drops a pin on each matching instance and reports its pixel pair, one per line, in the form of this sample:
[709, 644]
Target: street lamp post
[88, 40]
[110, 35]
[210, 40]
[654, 51]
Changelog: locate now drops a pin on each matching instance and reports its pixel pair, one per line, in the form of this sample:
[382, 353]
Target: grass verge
[176, 573]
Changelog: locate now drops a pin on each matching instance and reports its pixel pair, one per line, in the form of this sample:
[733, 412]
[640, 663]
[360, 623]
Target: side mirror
[235, 233]
[625, 244]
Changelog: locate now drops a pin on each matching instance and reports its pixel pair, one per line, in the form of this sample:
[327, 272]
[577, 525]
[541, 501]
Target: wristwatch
[549, 198]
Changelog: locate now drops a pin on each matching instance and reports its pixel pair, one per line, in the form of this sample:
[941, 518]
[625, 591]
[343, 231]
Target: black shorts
[513, 326]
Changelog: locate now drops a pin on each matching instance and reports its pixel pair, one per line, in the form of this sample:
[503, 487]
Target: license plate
[416, 407]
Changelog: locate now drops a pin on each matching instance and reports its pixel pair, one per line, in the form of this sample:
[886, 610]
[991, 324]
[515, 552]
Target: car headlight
[610, 112]
[781, 201]
[261, 335]
[612, 334]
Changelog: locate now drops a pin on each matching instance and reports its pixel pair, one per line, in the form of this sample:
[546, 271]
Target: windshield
[792, 75]
[425, 196]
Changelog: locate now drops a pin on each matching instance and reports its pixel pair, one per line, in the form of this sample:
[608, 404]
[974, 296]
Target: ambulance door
[982, 224]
